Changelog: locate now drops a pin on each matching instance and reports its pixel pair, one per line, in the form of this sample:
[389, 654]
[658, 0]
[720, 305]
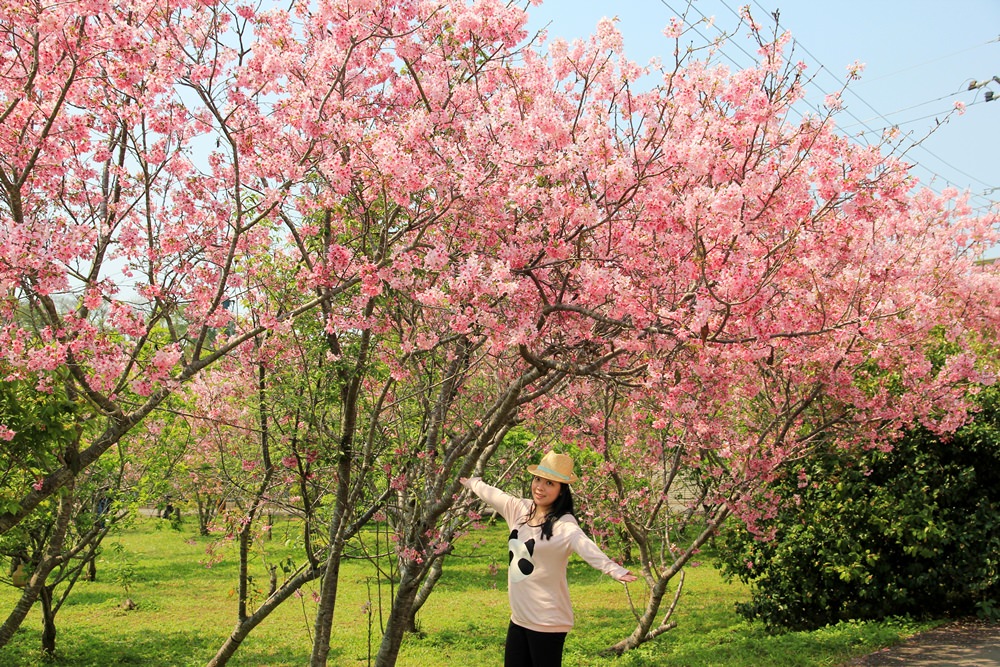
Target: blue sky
[919, 55]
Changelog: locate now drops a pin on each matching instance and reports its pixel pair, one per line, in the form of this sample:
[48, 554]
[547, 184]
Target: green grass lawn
[185, 609]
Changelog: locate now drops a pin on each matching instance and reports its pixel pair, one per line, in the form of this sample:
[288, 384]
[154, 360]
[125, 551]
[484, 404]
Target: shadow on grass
[81, 596]
[472, 635]
[173, 571]
[84, 647]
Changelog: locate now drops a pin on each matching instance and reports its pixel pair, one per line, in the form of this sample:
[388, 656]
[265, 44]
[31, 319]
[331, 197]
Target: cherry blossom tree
[140, 183]
[101, 196]
[758, 283]
[808, 279]
[270, 419]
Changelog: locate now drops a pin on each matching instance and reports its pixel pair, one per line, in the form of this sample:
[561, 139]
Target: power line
[880, 115]
[866, 123]
[938, 114]
[931, 61]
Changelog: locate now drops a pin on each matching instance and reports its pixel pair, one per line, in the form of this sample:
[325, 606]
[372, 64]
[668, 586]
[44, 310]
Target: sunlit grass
[185, 610]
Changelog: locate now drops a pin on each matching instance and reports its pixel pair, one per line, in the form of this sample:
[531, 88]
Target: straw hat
[557, 467]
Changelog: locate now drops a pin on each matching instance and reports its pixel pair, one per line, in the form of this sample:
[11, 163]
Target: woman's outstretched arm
[588, 550]
[509, 507]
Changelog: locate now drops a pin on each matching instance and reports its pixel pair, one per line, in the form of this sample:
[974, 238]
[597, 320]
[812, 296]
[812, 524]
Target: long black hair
[563, 505]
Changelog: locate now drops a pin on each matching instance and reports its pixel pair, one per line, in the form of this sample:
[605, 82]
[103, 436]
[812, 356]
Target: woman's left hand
[627, 578]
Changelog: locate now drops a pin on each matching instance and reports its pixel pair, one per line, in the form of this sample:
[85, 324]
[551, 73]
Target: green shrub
[911, 532]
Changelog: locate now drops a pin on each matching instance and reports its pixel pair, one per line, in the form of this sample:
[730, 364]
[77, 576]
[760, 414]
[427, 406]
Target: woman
[543, 533]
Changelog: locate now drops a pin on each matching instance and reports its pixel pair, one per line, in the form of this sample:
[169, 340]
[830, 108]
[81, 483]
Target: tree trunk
[243, 627]
[644, 630]
[324, 613]
[41, 573]
[399, 616]
[323, 626]
[437, 569]
[48, 622]
[18, 613]
[203, 517]
[350, 392]
[626, 541]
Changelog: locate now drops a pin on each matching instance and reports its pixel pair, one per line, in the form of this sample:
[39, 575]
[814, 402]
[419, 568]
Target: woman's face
[544, 492]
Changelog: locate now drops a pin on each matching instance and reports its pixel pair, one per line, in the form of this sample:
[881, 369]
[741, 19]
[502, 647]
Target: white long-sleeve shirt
[536, 577]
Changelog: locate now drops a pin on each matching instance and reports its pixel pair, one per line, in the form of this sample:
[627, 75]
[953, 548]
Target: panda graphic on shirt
[519, 557]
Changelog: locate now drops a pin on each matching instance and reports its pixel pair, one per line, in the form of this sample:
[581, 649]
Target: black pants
[528, 648]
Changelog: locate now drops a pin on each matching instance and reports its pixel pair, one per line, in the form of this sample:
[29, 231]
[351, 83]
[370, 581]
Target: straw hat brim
[555, 476]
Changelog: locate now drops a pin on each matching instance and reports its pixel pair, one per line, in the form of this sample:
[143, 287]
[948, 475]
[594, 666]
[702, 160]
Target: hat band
[552, 472]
